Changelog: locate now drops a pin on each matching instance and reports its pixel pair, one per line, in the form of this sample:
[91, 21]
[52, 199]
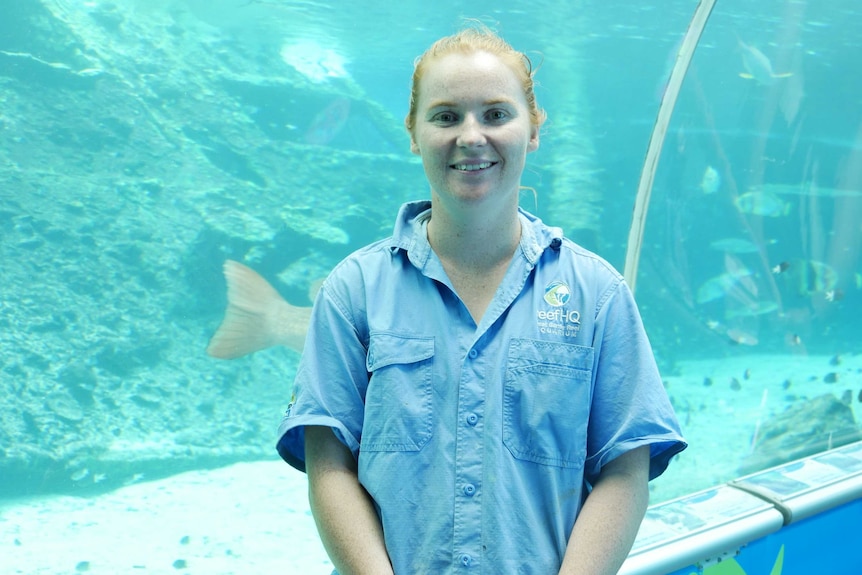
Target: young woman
[477, 393]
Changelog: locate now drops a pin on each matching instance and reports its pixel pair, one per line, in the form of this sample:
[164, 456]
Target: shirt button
[472, 418]
[469, 490]
[466, 560]
[473, 353]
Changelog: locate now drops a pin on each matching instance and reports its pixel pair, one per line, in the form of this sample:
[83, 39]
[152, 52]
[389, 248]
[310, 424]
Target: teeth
[472, 167]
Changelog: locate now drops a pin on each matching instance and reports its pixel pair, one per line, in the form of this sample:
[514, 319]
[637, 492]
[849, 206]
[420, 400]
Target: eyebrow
[494, 102]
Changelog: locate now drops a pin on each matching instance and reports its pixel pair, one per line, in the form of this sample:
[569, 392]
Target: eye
[496, 115]
[444, 117]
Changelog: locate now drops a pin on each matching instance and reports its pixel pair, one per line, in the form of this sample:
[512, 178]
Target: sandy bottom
[254, 517]
[722, 402]
[243, 519]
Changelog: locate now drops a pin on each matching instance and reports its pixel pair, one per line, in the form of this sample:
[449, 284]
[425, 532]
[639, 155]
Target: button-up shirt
[478, 443]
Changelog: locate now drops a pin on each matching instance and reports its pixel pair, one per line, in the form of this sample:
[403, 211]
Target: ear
[533, 144]
[414, 147]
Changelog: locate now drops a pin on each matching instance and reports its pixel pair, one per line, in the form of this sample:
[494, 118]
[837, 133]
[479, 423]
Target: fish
[762, 204]
[835, 360]
[717, 287]
[752, 309]
[793, 339]
[256, 317]
[834, 295]
[739, 337]
[79, 474]
[781, 268]
[808, 277]
[734, 384]
[758, 67]
[734, 246]
[711, 181]
[328, 123]
[831, 377]
[807, 189]
[707, 382]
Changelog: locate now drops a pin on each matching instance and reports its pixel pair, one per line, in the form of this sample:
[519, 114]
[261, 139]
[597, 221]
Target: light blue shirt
[476, 442]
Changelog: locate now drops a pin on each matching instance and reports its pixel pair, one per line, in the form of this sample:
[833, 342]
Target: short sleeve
[331, 380]
[630, 407]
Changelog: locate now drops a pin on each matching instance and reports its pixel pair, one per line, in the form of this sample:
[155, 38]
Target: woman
[476, 392]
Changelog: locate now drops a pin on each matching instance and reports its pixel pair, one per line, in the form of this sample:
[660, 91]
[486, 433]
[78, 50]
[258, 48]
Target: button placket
[468, 458]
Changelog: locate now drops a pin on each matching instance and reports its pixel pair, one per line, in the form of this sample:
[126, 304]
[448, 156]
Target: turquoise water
[144, 143]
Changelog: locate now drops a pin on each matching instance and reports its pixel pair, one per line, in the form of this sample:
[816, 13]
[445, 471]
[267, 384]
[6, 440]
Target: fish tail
[247, 324]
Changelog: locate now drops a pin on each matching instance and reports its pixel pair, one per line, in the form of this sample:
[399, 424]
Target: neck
[475, 239]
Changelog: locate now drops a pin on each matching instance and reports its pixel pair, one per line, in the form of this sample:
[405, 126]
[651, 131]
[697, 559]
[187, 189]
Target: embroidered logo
[557, 293]
[558, 320]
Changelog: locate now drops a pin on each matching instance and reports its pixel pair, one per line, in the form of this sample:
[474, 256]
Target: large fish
[257, 317]
[328, 123]
[809, 277]
[758, 67]
[719, 286]
[751, 309]
[762, 204]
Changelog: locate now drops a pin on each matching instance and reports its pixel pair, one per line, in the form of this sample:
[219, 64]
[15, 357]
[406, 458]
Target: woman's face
[473, 128]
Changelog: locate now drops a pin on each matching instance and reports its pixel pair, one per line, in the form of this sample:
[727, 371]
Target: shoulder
[590, 260]
[550, 247]
[362, 265]
[593, 277]
[376, 257]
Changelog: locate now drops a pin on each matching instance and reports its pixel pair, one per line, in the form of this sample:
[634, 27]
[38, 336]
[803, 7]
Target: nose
[471, 133]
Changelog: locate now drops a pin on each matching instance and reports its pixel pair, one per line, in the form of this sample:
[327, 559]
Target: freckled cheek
[432, 144]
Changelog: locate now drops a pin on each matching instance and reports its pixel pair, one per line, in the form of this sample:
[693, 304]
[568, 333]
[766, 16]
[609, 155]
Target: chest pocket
[398, 414]
[546, 401]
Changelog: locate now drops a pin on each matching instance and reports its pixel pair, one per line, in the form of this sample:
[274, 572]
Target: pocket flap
[388, 348]
[526, 353]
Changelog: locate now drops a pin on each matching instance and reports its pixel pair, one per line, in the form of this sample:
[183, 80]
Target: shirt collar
[411, 234]
[536, 237]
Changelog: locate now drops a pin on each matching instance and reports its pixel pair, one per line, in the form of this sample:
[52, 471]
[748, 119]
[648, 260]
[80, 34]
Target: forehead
[459, 76]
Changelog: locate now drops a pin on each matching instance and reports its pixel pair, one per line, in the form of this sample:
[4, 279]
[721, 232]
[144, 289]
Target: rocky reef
[140, 148]
[804, 428]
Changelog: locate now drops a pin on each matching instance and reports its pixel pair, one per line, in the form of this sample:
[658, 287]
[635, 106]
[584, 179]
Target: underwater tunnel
[712, 150]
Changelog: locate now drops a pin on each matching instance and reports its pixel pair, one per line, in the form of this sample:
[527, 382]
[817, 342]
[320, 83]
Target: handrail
[718, 522]
[665, 110]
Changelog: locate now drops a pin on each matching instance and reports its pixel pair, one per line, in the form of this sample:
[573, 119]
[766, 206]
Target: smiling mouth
[473, 167]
